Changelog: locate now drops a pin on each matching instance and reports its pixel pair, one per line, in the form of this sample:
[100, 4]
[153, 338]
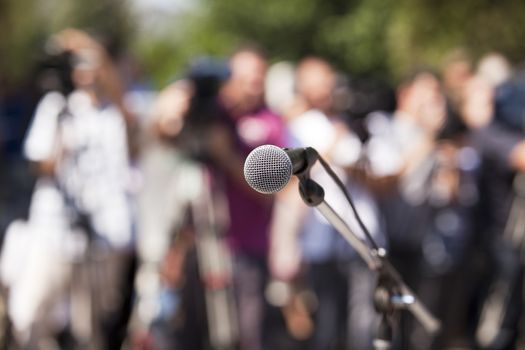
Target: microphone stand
[391, 293]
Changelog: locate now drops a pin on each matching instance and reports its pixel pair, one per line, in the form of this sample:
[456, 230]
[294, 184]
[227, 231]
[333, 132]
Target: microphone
[269, 168]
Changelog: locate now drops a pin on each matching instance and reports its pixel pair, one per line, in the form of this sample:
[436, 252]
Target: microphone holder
[391, 293]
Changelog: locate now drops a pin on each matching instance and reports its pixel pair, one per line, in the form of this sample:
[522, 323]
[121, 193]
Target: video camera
[54, 72]
[207, 75]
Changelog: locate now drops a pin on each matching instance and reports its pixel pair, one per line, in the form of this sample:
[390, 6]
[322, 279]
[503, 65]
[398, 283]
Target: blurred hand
[171, 107]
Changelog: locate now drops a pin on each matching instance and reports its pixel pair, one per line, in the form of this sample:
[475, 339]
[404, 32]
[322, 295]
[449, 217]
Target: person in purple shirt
[250, 213]
[241, 123]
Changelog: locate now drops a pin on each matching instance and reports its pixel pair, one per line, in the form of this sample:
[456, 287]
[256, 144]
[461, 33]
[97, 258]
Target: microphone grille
[268, 169]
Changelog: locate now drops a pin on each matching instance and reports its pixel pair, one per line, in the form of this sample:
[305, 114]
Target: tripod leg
[215, 267]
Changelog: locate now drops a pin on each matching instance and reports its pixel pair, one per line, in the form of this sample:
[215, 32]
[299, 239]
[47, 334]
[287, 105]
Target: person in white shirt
[79, 144]
[302, 235]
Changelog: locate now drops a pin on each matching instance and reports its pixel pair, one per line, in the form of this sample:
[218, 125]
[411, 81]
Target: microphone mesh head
[267, 169]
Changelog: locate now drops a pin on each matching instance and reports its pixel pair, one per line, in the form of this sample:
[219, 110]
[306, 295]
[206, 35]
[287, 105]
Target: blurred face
[455, 75]
[423, 100]
[86, 64]
[315, 83]
[248, 71]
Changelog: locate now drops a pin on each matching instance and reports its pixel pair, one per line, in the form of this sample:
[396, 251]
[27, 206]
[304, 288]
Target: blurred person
[420, 178]
[250, 215]
[176, 179]
[341, 283]
[80, 215]
[52, 75]
[216, 142]
[495, 132]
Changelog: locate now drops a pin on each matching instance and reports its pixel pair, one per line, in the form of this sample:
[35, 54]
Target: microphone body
[269, 168]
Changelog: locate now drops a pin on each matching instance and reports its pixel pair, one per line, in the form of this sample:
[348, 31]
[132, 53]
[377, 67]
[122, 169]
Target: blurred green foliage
[380, 37]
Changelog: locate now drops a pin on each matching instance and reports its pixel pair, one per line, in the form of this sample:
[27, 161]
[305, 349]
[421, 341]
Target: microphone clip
[311, 192]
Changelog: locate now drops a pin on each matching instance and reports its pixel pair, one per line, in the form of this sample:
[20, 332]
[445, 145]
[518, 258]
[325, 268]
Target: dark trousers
[345, 317]
[250, 277]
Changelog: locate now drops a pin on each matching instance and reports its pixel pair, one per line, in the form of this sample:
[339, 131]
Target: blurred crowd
[126, 221]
